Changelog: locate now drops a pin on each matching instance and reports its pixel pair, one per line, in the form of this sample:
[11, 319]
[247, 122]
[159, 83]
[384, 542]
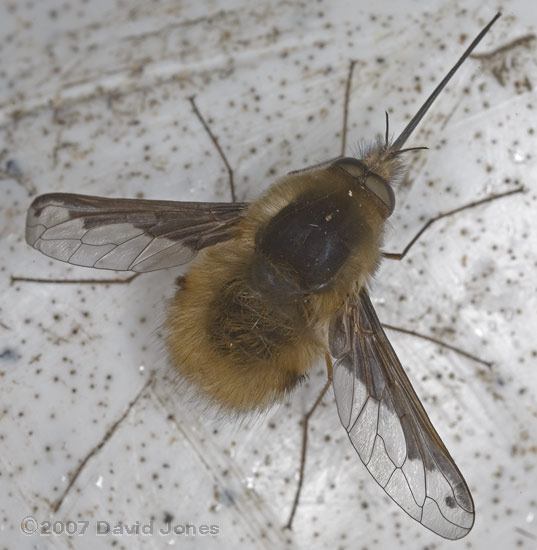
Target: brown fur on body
[240, 348]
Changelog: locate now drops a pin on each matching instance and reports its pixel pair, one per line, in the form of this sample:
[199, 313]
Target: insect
[276, 285]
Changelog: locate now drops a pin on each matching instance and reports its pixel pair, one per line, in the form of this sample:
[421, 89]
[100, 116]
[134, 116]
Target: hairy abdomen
[241, 352]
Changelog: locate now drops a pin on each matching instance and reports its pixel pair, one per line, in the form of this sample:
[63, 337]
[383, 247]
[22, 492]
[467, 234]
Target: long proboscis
[405, 134]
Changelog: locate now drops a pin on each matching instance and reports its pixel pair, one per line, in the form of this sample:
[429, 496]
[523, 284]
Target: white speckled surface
[93, 99]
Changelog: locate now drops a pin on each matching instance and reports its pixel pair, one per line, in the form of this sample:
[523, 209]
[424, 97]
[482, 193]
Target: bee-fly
[277, 284]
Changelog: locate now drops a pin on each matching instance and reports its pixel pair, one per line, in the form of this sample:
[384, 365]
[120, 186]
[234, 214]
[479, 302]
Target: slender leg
[305, 424]
[439, 343]
[75, 281]
[217, 145]
[346, 107]
[401, 255]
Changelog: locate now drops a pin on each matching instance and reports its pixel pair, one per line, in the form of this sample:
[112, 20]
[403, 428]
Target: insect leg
[192, 100]
[75, 281]
[344, 127]
[305, 423]
[401, 255]
[346, 107]
[438, 343]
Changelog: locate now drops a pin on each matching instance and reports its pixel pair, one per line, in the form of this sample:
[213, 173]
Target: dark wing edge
[389, 428]
[126, 234]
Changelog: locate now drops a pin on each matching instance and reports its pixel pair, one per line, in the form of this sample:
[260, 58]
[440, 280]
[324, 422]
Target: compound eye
[354, 167]
[377, 185]
[382, 189]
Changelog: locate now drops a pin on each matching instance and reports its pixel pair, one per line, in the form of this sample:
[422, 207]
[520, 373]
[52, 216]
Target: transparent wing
[126, 234]
[389, 427]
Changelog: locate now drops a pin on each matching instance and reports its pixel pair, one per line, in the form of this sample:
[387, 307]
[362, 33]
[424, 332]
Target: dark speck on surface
[13, 168]
[8, 354]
